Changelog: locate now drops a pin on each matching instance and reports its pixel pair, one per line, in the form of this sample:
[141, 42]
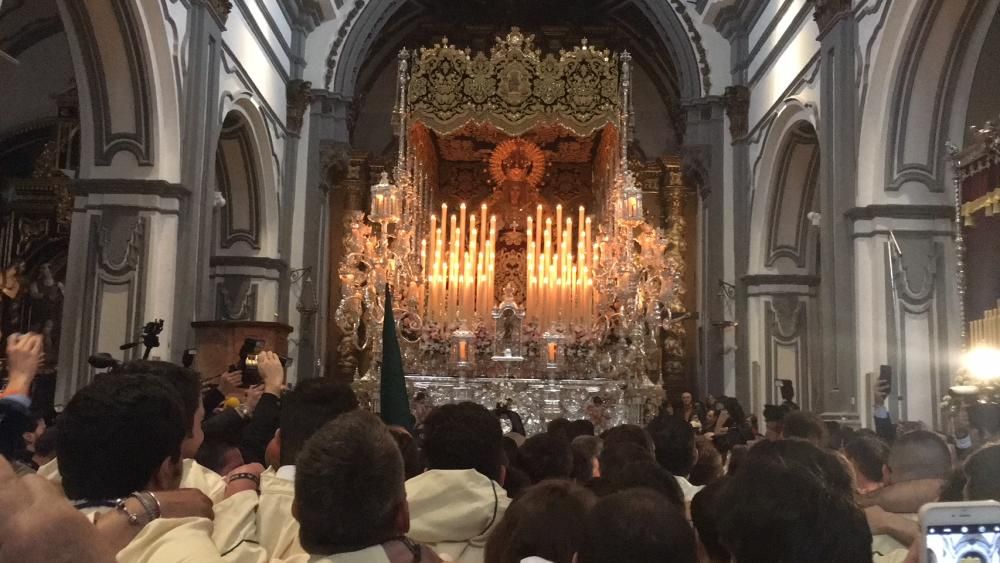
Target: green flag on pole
[393, 397]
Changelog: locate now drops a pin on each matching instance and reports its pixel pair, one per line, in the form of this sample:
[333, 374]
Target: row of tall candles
[458, 265]
[560, 284]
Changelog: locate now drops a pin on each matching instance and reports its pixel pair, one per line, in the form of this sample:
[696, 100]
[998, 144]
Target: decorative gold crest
[514, 87]
[517, 160]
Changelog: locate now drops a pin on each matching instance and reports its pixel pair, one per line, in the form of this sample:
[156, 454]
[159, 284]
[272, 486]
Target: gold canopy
[515, 88]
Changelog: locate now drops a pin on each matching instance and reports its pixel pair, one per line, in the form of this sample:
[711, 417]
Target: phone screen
[964, 543]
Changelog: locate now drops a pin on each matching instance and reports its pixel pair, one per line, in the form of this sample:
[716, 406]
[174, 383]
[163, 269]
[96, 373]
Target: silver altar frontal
[605, 402]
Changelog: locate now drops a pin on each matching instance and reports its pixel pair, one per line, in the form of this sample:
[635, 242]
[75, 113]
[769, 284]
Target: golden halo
[530, 150]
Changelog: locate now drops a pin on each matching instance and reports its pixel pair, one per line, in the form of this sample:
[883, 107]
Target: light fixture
[982, 363]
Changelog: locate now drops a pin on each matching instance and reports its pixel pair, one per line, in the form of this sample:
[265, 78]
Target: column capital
[219, 9]
[828, 12]
[737, 100]
[298, 95]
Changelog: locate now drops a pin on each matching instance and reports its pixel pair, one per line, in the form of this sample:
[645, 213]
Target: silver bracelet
[150, 504]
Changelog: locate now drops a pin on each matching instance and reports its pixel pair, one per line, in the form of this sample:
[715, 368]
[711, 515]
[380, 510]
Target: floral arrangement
[583, 344]
[531, 333]
[482, 341]
[434, 340]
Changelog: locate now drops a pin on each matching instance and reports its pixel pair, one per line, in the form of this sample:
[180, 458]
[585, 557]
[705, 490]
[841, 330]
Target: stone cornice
[117, 186]
[780, 279]
[896, 211]
[263, 262]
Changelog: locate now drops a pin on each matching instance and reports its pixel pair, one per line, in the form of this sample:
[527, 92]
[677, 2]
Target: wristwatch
[243, 410]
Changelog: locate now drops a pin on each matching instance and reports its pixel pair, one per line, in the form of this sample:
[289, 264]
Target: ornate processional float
[554, 304]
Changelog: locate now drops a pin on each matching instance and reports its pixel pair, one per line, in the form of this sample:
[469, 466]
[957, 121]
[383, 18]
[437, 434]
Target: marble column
[200, 111]
[838, 139]
[704, 169]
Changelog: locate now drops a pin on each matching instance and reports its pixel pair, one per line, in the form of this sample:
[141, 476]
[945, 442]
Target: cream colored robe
[277, 529]
[454, 511]
[194, 476]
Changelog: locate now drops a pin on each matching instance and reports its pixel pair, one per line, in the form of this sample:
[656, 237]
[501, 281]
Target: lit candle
[559, 235]
[461, 234]
[423, 257]
[482, 226]
[538, 222]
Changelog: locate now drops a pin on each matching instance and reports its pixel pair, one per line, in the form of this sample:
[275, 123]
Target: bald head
[920, 454]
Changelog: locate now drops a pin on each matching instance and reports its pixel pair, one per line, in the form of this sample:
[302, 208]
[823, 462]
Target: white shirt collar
[286, 472]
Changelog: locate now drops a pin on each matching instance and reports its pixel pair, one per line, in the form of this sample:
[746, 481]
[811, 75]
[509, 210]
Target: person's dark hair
[920, 454]
[804, 426]
[869, 454]
[14, 422]
[709, 467]
[628, 433]
[638, 526]
[981, 470]
[736, 413]
[557, 425]
[585, 449]
[775, 413]
[837, 435]
[212, 454]
[115, 433]
[737, 456]
[547, 521]
[546, 456]
[649, 475]
[789, 502]
[674, 444]
[616, 456]
[580, 427]
[825, 465]
[705, 514]
[184, 381]
[463, 436]
[413, 462]
[349, 485]
[305, 409]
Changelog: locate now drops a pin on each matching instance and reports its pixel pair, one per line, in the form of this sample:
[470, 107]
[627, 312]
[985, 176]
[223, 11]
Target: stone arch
[128, 88]
[909, 82]
[349, 49]
[245, 271]
[244, 124]
[790, 131]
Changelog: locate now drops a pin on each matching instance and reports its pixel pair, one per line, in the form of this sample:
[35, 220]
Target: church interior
[561, 207]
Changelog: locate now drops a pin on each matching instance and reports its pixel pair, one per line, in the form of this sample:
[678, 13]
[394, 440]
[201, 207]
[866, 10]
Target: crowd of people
[146, 463]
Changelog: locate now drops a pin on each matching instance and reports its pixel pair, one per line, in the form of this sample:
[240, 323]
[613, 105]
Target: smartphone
[885, 380]
[960, 532]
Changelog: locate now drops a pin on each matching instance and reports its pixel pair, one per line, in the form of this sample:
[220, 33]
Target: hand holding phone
[960, 532]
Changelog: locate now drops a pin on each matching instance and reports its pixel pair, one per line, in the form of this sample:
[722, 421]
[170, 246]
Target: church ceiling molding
[109, 37]
[514, 88]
